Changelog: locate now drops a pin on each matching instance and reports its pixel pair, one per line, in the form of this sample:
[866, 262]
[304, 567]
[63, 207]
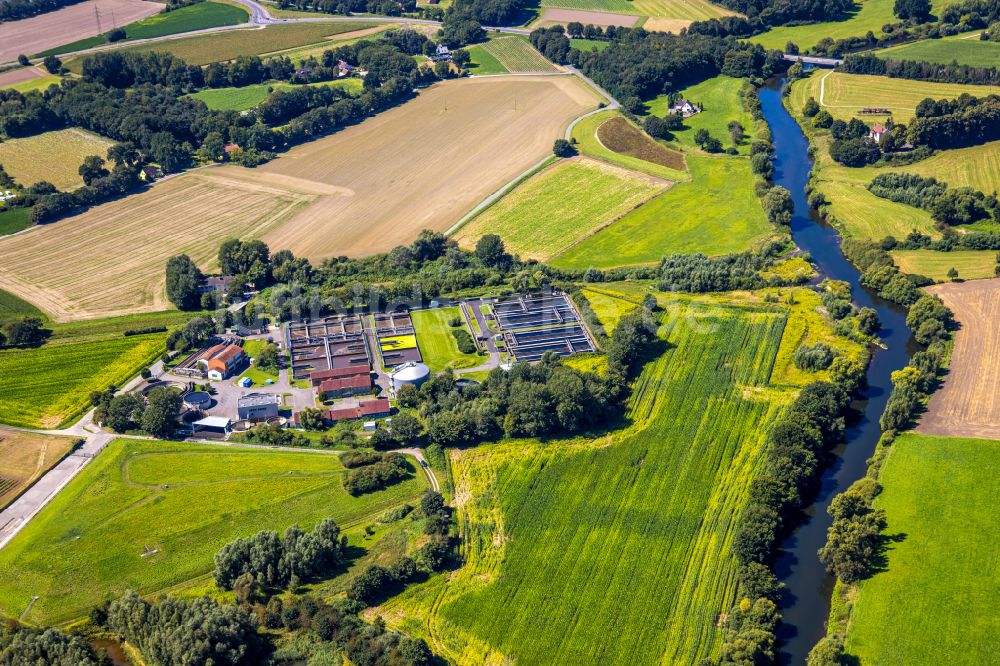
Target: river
[806, 602]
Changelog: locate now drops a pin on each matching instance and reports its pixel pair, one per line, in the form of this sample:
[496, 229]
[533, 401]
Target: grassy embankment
[182, 501]
[858, 212]
[563, 529]
[437, 344]
[939, 581]
[193, 17]
[50, 385]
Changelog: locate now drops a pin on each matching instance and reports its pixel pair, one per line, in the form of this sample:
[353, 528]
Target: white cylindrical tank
[410, 373]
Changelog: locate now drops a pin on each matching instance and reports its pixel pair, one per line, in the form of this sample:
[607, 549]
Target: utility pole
[97, 17]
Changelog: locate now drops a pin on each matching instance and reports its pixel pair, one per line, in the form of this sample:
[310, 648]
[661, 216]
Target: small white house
[878, 131]
[684, 107]
[441, 53]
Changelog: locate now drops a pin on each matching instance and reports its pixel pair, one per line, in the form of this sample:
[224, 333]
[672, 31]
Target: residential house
[441, 53]
[877, 132]
[344, 69]
[684, 107]
[218, 284]
[150, 172]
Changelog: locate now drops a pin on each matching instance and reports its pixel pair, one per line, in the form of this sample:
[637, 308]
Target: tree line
[867, 63]
[948, 206]
[345, 7]
[155, 413]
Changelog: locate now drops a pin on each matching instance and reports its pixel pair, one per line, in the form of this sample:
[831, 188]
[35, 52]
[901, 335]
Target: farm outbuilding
[409, 373]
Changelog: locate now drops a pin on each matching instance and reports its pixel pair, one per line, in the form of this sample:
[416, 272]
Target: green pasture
[966, 49]
[50, 385]
[871, 15]
[588, 44]
[970, 264]
[183, 501]
[249, 97]
[437, 345]
[13, 220]
[721, 100]
[585, 134]
[193, 17]
[12, 306]
[483, 62]
[568, 543]
[935, 600]
[575, 198]
[716, 212]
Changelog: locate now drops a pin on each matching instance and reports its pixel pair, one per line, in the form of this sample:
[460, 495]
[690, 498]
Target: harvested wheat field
[424, 164]
[110, 259]
[558, 16]
[968, 403]
[38, 33]
[25, 456]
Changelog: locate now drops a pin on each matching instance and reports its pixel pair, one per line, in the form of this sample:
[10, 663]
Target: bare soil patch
[21, 75]
[659, 24]
[621, 136]
[39, 33]
[968, 402]
[554, 15]
[424, 164]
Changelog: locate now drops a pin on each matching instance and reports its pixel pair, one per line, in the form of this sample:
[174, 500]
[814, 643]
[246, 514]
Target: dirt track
[968, 404]
[38, 33]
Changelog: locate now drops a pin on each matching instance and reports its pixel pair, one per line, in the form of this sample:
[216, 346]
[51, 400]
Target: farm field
[183, 501]
[843, 95]
[560, 16]
[50, 385]
[967, 49]
[68, 24]
[721, 99]
[940, 580]
[516, 55]
[27, 79]
[25, 456]
[586, 134]
[302, 53]
[716, 212]
[482, 62]
[624, 138]
[575, 198]
[52, 156]
[871, 15]
[970, 264]
[217, 47]
[249, 97]
[199, 16]
[564, 529]
[968, 402]
[437, 344]
[499, 142]
[53, 265]
[685, 10]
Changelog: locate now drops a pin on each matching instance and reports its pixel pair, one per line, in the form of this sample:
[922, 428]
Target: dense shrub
[390, 469]
[817, 357]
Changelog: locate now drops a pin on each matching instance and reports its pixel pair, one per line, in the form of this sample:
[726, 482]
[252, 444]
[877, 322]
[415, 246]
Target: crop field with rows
[629, 535]
[517, 55]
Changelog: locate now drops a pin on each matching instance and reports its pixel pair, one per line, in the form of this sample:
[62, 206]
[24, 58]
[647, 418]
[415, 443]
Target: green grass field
[853, 208]
[53, 156]
[941, 581]
[516, 55]
[967, 49]
[575, 198]
[585, 134]
[437, 345]
[721, 99]
[588, 44]
[193, 17]
[51, 384]
[14, 219]
[258, 376]
[483, 62]
[716, 212]
[185, 502]
[216, 47]
[970, 264]
[40, 83]
[871, 15]
[249, 97]
[568, 543]
[12, 306]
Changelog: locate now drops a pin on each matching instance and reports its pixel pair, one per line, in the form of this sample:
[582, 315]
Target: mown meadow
[628, 535]
[50, 385]
[966, 49]
[935, 599]
[178, 504]
[438, 346]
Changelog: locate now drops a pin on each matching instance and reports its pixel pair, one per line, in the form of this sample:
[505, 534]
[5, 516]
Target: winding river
[806, 603]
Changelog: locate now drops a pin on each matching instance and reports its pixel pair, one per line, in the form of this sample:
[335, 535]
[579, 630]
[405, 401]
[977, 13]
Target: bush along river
[808, 588]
